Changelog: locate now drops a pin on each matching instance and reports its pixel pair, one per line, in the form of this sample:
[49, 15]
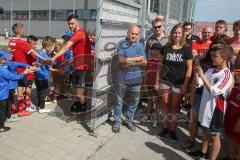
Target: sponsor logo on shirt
[12, 44]
[174, 57]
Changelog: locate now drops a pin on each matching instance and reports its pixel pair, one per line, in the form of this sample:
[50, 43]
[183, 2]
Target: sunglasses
[157, 27]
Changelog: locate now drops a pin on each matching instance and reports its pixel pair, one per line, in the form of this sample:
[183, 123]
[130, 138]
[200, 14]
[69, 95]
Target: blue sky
[212, 10]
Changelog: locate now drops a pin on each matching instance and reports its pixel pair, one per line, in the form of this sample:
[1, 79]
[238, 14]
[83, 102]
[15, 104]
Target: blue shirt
[12, 66]
[68, 56]
[43, 73]
[5, 77]
[130, 75]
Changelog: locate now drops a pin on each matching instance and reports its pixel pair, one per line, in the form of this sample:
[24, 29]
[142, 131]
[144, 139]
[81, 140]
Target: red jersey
[235, 44]
[201, 47]
[20, 51]
[83, 57]
[60, 59]
[152, 68]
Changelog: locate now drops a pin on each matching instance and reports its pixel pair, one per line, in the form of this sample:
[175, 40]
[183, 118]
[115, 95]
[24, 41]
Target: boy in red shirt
[20, 50]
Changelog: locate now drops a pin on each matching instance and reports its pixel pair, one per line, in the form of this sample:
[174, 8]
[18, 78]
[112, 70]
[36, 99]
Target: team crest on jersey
[215, 80]
[12, 44]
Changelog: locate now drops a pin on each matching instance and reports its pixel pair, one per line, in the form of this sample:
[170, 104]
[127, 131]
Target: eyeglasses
[206, 32]
[157, 27]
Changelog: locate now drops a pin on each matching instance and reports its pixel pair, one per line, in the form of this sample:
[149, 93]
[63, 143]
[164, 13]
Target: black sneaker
[131, 127]
[199, 155]
[116, 127]
[173, 136]
[4, 129]
[163, 133]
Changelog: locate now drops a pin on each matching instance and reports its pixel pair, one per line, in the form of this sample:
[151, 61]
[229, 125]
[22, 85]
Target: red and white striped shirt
[213, 102]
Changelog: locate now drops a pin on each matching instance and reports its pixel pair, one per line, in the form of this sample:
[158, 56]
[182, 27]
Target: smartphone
[197, 62]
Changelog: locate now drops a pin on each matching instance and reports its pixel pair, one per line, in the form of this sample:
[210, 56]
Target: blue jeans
[134, 93]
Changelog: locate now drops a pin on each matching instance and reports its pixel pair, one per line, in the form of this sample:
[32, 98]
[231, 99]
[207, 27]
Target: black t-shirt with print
[193, 38]
[174, 64]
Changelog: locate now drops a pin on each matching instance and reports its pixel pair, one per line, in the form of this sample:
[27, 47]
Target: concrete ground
[48, 137]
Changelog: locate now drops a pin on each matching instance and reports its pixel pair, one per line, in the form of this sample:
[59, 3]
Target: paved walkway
[49, 137]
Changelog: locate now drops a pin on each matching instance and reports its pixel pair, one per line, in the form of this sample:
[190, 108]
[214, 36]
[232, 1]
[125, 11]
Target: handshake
[31, 69]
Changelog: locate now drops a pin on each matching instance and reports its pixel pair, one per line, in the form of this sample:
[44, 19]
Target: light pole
[11, 21]
[29, 17]
[49, 17]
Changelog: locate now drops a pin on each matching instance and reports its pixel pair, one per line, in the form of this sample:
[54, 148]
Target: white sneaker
[44, 110]
[31, 109]
[155, 122]
[12, 119]
[48, 103]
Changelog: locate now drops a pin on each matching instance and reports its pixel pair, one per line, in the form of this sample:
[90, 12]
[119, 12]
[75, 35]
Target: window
[175, 9]
[40, 15]
[154, 6]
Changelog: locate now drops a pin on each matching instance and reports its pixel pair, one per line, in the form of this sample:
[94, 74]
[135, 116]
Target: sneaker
[130, 126]
[54, 101]
[164, 132]
[155, 122]
[44, 110]
[4, 129]
[198, 154]
[31, 109]
[145, 118]
[12, 119]
[48, 100]
[24, 113]
[116, 127]
[173, 136]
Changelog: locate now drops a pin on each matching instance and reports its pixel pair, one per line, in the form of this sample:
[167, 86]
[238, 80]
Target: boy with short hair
[32, 41]
[42, 76]
[20, 50]
[216, 82]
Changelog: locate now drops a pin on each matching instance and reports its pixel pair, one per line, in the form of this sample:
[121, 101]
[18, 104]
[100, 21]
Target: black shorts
[25, 83]
[79, 79]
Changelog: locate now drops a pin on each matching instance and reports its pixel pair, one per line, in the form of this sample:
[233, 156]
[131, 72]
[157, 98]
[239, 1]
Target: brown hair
[221, 22]
[224, 50]
[32, 38]
[48, 40]
[187, 24]
[16, 27]
[183, 39]
[236, 24]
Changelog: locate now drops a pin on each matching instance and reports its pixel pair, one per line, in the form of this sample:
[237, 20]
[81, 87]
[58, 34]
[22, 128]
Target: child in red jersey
[20, 50]
[232, 119]
[32, 40]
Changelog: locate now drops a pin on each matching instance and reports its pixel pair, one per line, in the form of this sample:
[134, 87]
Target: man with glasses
[153, 62]
[158, 36]
[188, 32]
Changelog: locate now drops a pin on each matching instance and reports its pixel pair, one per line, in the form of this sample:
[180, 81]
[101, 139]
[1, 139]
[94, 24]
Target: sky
[212, 10]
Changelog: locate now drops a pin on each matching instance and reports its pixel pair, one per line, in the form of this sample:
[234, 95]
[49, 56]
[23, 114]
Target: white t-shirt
[213, 102]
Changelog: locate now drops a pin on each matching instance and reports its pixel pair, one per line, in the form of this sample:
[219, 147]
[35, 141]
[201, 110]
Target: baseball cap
[4, 54]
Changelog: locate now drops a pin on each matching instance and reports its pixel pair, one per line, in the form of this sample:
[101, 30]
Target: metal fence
[113, 19]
